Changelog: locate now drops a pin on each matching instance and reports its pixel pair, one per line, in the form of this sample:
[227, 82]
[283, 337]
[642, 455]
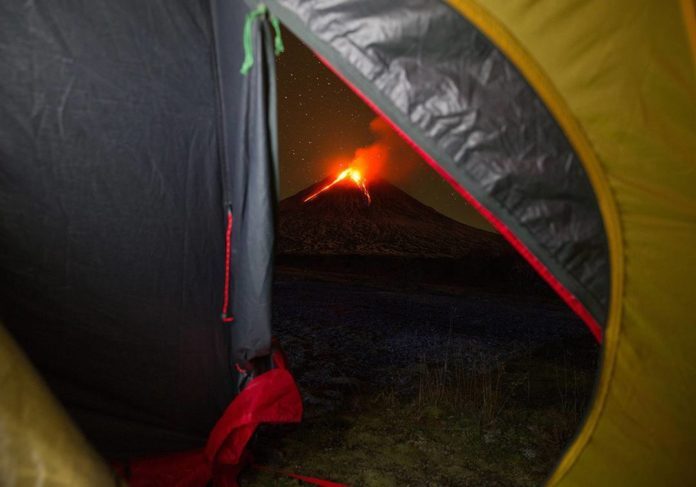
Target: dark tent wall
[118, 164]
[467, 107]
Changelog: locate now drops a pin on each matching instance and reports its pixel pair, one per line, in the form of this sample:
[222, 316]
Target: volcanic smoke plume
[370, 162]
[389, 156]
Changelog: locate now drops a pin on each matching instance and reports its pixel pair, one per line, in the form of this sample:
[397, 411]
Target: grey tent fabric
[250, 176]
[118, 162]
[457, 96]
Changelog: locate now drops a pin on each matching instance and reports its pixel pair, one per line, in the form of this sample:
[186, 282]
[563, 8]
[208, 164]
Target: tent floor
[423, 387]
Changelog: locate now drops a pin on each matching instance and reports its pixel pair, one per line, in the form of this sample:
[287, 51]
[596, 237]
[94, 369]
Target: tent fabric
[465, 104]
[629, 81]
[249, 156]
[39, 445]
[123, 143]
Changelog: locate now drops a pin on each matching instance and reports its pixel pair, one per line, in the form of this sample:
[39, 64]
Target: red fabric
[272, 397]
[279, 359]
[303, 478]
[561, 290]
[186, 469]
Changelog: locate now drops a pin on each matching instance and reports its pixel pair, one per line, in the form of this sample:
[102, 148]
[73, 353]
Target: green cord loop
[279, 47]
[259, 11]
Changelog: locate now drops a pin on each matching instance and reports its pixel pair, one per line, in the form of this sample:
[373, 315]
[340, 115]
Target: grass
[474, 387]
[493, 422]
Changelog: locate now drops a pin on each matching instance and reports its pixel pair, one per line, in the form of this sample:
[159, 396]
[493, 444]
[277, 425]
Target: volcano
[343, 221]
[378, 232]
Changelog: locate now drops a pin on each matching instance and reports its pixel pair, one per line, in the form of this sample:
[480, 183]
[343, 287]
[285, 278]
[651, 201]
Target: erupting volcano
[351, 174]
[333, 217]
[329, 229]
[367, 164]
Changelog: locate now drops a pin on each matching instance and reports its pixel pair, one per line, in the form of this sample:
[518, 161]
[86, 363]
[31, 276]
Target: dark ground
[426, 386]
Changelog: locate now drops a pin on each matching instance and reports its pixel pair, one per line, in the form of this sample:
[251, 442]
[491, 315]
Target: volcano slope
[393, 239]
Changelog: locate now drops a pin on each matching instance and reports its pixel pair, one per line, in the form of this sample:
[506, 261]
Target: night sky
[321, 123]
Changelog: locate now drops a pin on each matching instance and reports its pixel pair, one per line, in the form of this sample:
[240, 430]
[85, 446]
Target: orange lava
[354, 174]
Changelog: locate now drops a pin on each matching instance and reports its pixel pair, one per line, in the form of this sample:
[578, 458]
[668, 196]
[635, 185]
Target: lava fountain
[367, 162]
[352, 174]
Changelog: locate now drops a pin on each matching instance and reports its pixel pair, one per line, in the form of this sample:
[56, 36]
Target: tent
[138, 182]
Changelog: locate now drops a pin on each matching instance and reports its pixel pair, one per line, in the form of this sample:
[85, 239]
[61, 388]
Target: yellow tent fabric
[38, 443]
[620, 78]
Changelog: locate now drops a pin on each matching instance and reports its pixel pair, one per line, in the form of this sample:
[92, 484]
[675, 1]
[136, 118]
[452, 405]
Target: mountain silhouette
[395, 239]
[340, 221]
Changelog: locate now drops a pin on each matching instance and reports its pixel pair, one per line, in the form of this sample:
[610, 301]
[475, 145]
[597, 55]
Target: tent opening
[426, 349]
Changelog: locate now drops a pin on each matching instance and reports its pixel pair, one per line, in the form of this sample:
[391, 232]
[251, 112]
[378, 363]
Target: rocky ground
[405, 387]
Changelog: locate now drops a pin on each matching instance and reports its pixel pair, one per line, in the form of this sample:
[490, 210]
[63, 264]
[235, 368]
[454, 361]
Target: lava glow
[351, 173]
